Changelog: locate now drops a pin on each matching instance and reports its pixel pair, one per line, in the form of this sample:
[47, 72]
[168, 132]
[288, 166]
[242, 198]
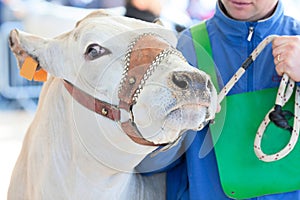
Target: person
[146, 10]
[235, 29]
[152, 10]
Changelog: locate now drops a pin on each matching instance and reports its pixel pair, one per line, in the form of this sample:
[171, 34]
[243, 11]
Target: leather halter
[143, 54]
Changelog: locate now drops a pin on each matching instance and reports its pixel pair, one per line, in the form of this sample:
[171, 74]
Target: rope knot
[280, 118]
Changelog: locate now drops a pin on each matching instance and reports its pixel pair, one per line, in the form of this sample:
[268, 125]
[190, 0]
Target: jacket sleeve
[162, 161]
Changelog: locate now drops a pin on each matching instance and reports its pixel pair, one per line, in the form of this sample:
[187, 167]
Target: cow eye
[95, 51]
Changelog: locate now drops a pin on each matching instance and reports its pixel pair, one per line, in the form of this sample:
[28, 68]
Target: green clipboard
[242, 174]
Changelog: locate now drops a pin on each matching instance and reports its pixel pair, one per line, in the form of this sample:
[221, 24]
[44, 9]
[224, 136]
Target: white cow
[145, 93]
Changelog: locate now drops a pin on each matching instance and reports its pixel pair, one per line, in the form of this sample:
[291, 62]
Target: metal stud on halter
[276, 114]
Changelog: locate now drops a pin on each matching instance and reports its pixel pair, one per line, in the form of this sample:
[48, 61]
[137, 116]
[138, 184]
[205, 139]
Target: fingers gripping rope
[276, 114]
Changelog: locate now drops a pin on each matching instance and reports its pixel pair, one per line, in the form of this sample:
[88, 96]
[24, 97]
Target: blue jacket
[194, 174]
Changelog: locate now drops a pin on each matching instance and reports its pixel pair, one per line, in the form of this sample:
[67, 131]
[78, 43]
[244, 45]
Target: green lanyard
[204, 52]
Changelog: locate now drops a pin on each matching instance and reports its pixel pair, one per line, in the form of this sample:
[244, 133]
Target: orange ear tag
[28, 68]
[40, 75]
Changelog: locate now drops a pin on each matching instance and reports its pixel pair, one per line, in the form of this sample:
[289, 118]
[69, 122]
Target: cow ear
[24, 52]
[158, 21]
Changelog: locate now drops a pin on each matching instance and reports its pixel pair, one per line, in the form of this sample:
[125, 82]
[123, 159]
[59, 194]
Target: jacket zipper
[250, 33]
[251, 70]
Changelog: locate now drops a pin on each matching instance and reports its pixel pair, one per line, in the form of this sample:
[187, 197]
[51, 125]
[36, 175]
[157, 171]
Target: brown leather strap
[134, 134]
[106, 110]
[143, 53]
[95, 105]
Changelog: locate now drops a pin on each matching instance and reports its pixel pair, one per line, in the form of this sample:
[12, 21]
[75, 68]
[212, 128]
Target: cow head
[104, 54]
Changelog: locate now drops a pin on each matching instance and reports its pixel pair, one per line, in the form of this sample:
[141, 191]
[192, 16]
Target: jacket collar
[236, 31]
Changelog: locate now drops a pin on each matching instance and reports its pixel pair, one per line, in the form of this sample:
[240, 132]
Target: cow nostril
[11, 42]
[209, 85]
[180, 80]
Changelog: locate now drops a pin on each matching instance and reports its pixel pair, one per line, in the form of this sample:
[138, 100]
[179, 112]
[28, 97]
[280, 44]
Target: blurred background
[19, 97]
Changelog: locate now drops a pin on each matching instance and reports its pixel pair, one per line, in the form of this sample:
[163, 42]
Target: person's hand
[286, 52]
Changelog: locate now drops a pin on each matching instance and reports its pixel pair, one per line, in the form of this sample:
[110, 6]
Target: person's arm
[165, 160]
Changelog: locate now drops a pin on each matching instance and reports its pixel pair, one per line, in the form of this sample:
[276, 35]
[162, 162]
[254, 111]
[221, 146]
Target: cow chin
[169, 127]
[189, 117]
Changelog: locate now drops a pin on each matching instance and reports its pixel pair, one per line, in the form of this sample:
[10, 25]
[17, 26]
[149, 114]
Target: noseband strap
[140, 55]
